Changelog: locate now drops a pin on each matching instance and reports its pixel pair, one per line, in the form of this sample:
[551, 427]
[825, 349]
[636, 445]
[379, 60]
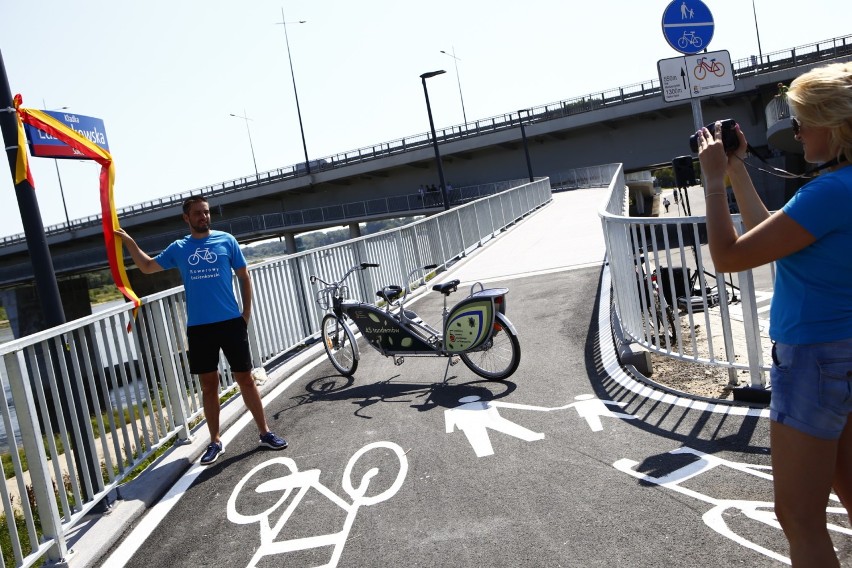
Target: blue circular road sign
[688, 25]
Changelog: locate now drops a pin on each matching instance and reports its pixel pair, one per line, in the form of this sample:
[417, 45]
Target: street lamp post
[757, 31]
[524, 138]
[423, 78]
[284, 23]
[246, 119]
[59, 177]
[458, 80]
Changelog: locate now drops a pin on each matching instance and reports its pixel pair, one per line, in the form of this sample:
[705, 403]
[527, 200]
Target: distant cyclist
[206, 259]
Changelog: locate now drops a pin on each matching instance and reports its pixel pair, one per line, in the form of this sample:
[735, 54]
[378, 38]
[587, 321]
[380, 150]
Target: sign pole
[697, 117]
[43, 273]
[46, 285]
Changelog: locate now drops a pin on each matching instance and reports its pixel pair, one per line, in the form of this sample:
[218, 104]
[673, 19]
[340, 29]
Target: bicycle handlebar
[363, 266]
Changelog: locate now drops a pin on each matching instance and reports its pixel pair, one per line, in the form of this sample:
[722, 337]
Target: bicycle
[656, 306]
[476, 329]
[689, 38]
[701, 68]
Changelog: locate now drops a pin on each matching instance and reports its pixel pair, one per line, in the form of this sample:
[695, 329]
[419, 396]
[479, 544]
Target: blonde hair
[823, 97]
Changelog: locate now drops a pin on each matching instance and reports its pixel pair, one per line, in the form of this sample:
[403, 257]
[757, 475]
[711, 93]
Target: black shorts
[205, 341]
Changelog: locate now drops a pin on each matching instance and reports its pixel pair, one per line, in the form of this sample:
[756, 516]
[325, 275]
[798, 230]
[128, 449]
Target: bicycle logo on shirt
[202, 254]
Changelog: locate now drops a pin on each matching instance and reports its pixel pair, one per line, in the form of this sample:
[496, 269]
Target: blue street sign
[688, 25]
[43, 145]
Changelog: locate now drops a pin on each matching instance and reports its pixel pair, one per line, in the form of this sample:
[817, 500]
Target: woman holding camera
[810, 240]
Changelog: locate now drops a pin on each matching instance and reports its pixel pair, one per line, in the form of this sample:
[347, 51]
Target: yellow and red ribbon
[109, 218]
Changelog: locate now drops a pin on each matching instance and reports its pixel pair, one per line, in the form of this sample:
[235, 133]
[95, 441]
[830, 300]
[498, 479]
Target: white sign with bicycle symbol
[695, 76]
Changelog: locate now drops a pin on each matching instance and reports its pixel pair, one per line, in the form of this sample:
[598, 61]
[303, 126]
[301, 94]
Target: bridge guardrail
[253, 227]
[667, 299]
[746, 67]
[144, 375]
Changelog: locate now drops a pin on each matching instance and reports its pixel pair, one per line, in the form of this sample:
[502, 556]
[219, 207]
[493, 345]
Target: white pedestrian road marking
[475, 417]
[301, 482]
[591, 409]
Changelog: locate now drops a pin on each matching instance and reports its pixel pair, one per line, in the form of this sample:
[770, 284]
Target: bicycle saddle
[447, 288]
[389, 293]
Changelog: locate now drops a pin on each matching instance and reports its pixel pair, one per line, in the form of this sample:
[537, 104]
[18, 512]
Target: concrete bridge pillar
[354, 230]
[24, 309]
[290, 241]
[147, 284]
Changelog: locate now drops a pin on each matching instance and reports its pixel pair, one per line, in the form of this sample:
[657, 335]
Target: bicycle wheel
[339, 345]
[718, 69]
[500, 355]
[700, 72]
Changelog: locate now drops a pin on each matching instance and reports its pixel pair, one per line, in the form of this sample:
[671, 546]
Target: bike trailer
[471, 322]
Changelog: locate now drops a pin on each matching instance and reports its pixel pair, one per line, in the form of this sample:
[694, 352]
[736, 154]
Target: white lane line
[131, 543]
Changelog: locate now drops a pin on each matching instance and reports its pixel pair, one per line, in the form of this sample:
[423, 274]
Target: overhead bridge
[630, 124]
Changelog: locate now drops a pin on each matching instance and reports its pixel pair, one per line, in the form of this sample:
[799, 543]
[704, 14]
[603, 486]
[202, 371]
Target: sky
[166, 75]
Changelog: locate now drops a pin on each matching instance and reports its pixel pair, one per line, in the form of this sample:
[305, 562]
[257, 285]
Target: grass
[104, 294]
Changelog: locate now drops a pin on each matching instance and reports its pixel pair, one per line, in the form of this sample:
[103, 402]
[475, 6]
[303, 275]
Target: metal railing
[254, 227]
[668, 300]
[86, 402]
[778, 109]
[747, 67]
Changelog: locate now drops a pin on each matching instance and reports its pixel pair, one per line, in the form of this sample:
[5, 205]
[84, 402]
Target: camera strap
[809, 173]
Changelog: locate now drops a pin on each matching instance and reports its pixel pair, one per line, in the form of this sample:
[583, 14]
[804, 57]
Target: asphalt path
[569, 462]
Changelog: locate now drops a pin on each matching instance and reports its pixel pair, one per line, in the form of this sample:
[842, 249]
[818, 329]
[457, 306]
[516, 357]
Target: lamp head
[432, 74]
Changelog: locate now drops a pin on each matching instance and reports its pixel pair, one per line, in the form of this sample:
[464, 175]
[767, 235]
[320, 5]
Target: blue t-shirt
[206, 267]
[812, 302]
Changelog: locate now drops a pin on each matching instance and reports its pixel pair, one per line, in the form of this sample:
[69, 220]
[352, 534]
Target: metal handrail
[665, 294]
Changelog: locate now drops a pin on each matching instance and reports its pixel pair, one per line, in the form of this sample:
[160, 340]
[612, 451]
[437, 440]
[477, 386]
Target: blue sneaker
[270, 440]
[214, 450]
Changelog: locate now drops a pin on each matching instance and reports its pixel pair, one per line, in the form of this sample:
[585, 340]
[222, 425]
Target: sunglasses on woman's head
[797, 126]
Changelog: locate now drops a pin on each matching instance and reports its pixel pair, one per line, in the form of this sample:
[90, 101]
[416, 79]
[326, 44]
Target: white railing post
[725, 316]
[42, 484]
[751, 326]
[166, 350]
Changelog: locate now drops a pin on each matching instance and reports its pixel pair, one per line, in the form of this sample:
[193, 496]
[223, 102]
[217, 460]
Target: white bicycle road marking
[302, 482]
[760, 511]
[133, 541]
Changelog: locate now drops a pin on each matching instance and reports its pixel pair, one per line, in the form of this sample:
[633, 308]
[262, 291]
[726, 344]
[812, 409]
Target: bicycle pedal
[398, 361]
[454, 360]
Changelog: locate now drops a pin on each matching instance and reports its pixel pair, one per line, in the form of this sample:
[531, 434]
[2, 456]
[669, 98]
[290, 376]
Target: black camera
[730, 140]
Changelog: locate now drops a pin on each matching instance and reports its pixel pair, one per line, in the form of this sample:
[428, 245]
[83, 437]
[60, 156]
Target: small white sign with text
[692, 76]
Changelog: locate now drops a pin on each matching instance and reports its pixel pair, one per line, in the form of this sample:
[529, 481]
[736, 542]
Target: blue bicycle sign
[688, 25]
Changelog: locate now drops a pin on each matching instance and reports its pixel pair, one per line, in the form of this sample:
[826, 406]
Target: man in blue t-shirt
[206, 259]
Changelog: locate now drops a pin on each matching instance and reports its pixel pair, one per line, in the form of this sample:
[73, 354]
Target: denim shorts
[812, 387]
